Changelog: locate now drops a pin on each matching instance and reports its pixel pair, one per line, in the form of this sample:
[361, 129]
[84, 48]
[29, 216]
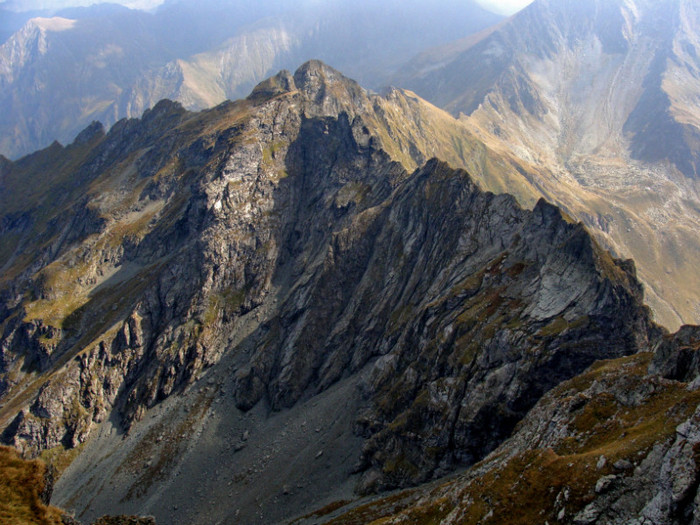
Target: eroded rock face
[616, 445]
[677, 357]
[460, 308]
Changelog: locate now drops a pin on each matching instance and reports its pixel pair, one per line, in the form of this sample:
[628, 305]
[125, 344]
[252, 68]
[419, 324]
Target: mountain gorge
[604, 96]
[206, 289]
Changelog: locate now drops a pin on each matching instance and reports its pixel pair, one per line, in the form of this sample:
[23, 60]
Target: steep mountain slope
[205, 291]
[107, 62]
[605, 95]
[616, 445]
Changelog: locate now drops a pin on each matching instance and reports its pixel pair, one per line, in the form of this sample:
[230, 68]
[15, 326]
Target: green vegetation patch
[373, 513]
[272, 154]
[228, 300]
[605, 426]
[399, 318]
[354, 192]
[324, 511]
[555, 327]
[8, 246]
[559, 325]
[60, 457]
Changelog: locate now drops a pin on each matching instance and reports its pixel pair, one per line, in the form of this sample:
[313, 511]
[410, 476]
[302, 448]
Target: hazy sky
[29, 5]
[506, 7]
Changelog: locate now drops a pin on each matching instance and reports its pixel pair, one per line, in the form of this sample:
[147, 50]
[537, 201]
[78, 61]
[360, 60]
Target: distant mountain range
[608, 78]
[107, 62]
[603, 96]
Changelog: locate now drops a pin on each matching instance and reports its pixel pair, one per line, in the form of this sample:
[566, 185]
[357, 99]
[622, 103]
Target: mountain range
[603, 96]
[267, 261]
[278, 309]
[107, 62]
[605, 166]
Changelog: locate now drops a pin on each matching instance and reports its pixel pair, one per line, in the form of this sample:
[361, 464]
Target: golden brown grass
[21, 484]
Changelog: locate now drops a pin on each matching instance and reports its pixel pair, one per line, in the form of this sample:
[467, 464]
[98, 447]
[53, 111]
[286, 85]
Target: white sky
[506, 7]
[30, 5]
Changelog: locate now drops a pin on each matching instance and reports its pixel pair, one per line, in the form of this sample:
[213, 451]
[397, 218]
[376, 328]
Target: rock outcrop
[616, 445]
[277, 232]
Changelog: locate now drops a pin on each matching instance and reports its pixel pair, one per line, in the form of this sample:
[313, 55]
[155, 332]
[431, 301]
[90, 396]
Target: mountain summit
[211, 294]
[106, 63]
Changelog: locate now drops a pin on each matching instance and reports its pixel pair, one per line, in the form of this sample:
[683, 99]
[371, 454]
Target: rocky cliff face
[617, 444]
[272, 245]
[601, 93]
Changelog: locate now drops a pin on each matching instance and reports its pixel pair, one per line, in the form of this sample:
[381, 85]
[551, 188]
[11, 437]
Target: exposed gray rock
[604, 483]
[678, 356]
[588, 515]
[602, 461]
[282, 236]
[623, 464]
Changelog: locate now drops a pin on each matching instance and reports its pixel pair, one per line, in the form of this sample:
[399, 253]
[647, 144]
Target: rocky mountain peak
[320, 85]
[269, 253]
[282, 82]
[94, 131]
[162, 110]
[315, 76]
[20, 49]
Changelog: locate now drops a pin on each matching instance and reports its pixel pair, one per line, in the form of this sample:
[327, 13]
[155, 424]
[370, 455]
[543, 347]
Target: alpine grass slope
[211, 299]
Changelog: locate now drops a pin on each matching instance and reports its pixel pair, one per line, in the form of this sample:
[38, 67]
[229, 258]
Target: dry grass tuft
[21, 485]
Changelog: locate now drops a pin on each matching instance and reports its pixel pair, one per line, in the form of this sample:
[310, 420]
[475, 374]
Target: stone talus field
[194, 303]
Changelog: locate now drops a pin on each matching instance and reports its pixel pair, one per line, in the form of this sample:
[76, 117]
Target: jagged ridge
[278, 232]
